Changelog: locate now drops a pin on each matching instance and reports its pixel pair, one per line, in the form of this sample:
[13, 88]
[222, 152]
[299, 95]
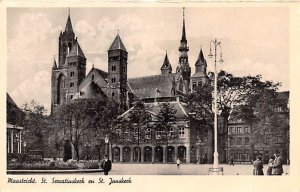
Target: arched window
[69, 46]
[113, 94]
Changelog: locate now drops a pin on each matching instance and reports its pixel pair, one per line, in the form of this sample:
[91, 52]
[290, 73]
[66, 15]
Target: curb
[53, 171]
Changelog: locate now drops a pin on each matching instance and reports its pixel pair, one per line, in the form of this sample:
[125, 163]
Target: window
[93, 77]
[239, 154]
[247, 129]
[239, 141]
[113, 94]
[158, 134]
[231, 141]
[71, 96]
[194, 85]
[113, 68]
[181, 132]
[171, 132]
[239, 129]
[72, 73]
[113, 79]
[247, 140]
[231, 130]
[148, 133]
[124, 69]
[72, 84]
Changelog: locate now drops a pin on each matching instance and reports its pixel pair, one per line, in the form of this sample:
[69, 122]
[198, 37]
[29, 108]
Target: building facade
[243, 145]
[191, 140]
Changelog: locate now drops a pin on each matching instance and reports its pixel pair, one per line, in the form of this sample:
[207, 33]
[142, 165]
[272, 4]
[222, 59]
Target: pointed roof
[69, 28]
[117, 44]
[54, 64]
[183, 38]
[201, 60]
[166, 64]
[76, 51]
[91, 91]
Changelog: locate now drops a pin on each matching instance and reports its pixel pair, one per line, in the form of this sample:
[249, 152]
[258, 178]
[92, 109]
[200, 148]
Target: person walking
[277, 164]
[270, 163]
[106, 165]
[178, 163]
[258, 166]
[231, 161]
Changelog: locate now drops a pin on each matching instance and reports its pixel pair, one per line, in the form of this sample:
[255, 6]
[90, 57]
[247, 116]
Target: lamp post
[216, 44]
[87, 146]
[24, 144]
[106, 140]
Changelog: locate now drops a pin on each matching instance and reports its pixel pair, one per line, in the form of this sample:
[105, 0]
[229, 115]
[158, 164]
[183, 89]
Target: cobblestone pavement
[185, 169]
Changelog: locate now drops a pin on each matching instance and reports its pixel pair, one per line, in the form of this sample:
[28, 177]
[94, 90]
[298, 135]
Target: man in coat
[258, 166]
[277, 164]
[106, 165]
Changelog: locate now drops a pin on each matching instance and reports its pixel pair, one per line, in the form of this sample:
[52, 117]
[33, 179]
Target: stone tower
[70, 71]
[117, 71]
[183, 64]
[166, 67]
[200, 77]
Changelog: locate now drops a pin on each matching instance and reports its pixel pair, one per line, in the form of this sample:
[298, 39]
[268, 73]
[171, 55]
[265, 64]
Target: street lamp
[216, 44]
[24, 144]
[106, 140]
[87, 146]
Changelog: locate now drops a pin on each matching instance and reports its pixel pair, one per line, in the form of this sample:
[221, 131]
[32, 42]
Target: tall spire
[117, 44]
[183, 38]
[69, 28]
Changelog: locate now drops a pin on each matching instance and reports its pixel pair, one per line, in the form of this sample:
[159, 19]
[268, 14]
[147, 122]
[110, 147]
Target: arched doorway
[182, 153]
[137, 154]
[158, 154]
[126, 154]
[116, 154]
[148, 154]
[171, 154]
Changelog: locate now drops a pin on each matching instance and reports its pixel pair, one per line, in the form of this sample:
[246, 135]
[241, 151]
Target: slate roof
[91, 91]
[166, 64]
[147, 87]
[76, 50]
[69, 28]
[283, 95]
[153, 108]
[103, 74]
[117, 44]
[12, 110]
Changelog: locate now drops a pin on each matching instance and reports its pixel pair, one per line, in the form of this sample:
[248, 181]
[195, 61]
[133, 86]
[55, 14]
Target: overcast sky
[254, 41]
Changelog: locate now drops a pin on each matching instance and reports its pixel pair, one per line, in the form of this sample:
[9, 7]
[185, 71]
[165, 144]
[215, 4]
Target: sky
[254, 41]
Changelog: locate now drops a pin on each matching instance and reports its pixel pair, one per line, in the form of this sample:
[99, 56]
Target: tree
[232, 91]
[138, 117]
[86, 115]
[166, 117]
[35, 125]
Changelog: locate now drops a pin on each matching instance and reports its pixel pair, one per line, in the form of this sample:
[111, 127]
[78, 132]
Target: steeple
[166, 67]
[117, 44]
[183, 64]
[201, 64]
[69, 28]
[183, 38]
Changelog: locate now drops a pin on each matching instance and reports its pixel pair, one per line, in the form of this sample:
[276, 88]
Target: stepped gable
[146, 87]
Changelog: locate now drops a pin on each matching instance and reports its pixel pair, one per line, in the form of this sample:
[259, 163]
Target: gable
[97, 76]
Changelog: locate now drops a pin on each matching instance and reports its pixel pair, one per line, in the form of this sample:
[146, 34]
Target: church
[70, 81]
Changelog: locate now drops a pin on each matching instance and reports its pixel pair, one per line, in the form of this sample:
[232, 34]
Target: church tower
[117, 71]
[183, 64]
[70, 71]
[200, 77]
[166, 67]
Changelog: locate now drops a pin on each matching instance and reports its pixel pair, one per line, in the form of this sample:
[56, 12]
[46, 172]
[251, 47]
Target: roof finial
[166, 51]
[118, 31]
[93, 66]
[69, 11]
[183, 11]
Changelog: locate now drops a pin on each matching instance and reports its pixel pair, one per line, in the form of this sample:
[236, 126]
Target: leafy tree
[86, 115]
[35, 125]
[166, 117]
[138, 117]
